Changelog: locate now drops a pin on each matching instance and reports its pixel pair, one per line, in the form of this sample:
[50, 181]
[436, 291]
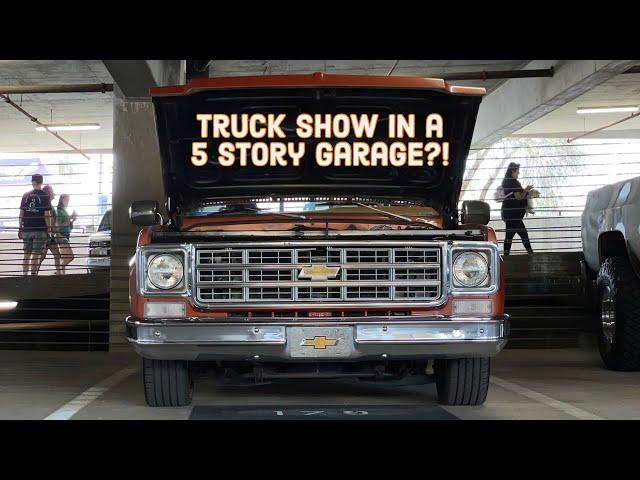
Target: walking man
[34, 225]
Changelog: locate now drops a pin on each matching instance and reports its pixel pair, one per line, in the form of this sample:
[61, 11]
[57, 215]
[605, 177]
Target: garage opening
[64, 136]
[547, 292]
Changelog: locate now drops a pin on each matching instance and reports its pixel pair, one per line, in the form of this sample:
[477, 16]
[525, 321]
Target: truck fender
[614, 244]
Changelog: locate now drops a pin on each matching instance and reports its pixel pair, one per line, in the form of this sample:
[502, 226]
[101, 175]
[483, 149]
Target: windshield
[298, 207]
[105, 223]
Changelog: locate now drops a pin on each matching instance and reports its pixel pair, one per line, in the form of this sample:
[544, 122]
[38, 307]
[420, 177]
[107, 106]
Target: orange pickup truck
[264, 273]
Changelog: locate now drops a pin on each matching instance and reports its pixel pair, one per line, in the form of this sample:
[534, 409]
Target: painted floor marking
[72, 407]
[567, 408]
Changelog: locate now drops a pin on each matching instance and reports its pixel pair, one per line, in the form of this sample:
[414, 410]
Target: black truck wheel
[619, 315]
[167, 383]
[462, 381]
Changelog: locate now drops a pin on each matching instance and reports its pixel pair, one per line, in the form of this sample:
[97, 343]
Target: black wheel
[462, 381]
[167, 383]
[619, 315]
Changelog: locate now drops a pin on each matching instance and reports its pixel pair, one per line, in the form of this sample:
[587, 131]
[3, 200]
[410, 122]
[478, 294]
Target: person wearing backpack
[514, 207]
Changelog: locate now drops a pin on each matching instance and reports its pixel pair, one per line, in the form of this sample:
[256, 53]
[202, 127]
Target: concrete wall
[136, 176]
[137, 171]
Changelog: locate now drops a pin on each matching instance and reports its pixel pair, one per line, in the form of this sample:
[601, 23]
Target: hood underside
[188, 186]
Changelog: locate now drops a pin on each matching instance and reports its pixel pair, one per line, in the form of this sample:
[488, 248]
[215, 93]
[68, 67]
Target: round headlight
[470, 269]
[165, 271]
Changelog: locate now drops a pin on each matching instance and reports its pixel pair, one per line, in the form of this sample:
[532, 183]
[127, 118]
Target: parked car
[611, 245]
[100, 245]
[388, 282]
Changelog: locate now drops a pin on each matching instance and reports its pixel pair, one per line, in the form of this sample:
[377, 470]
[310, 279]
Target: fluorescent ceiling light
[8, 305]
[62, 127]
[622, 108]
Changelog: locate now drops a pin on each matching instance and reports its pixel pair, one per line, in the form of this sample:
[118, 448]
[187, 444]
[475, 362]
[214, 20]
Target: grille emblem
[318, 272]
[319, 342]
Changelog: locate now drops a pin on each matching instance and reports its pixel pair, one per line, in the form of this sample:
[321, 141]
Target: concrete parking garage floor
[526, 384]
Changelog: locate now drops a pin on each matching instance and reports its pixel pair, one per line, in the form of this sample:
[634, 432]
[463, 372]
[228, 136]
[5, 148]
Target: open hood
[188, 186]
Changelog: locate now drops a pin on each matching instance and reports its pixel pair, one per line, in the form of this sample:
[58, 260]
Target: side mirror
[145, 213]
[475, 212]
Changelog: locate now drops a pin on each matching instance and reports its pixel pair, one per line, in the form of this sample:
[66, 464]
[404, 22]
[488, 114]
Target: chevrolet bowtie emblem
[318, 272]
[319, 343]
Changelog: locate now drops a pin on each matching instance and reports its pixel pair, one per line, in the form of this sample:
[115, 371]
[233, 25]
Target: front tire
[619, 315]
[462, 381]
[167, 383]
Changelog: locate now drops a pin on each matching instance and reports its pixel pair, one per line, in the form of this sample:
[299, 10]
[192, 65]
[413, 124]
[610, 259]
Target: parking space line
[72, 407]
[567, 408]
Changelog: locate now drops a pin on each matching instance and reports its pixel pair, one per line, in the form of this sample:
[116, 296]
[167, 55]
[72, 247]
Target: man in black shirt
[34, 225]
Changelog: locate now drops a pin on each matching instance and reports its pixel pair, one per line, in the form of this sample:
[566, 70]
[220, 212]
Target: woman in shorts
[64, 225]
[52, 242]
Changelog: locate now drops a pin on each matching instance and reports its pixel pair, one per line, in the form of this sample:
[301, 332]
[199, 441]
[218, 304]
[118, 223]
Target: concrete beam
[518, 102]
[135, 77]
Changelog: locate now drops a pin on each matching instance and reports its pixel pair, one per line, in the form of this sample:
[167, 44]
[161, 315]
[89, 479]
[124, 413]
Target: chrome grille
[368, 255]
[269, 275]
[361, 293]
[368, 274]
[319, 293]
[217, 275]
[415, 291]
[365, 274]
[270, 256]
[269, 293]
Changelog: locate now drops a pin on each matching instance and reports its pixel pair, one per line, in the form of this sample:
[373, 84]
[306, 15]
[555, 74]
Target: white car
[100, 245]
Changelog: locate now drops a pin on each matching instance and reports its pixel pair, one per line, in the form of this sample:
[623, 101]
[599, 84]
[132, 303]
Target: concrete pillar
[137, 175]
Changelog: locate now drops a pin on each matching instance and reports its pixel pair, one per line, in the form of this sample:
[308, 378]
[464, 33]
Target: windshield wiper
[407, 220]
[289, 215]
[253, 210]
[389, 214]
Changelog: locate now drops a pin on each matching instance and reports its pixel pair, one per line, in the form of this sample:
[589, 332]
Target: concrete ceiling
[564, 122]
[17, 132]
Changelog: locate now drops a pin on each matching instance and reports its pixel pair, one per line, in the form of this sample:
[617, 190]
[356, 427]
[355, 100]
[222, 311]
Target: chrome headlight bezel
[154, 262]
[481, 262]
[145, 256]
[489, 252]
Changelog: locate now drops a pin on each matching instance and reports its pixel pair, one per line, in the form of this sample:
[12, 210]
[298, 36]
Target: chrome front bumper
[292, 340]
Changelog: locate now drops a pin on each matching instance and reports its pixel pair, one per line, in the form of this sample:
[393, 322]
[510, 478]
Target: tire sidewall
[623, 353]
[606, 279]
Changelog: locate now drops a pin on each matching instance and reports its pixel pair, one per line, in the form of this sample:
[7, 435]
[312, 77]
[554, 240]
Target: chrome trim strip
[430, 332]
[211, 334]
[315, 243]
[323, 283]
[323, 234]
[414, 332]
[284, 266]
[301, 321]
